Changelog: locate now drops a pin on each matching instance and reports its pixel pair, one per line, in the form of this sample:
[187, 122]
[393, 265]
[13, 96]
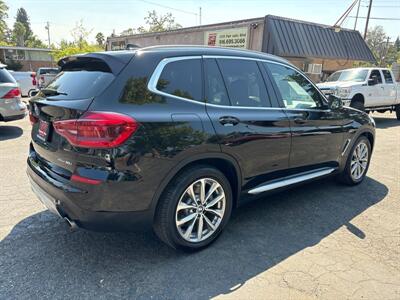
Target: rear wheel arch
[224, 163]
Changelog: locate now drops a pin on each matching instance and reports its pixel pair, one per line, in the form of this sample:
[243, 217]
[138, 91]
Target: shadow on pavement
[8, 132]
[41, 258]
[382, 122]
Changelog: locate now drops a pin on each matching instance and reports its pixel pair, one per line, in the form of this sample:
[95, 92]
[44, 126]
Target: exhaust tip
[71, 224]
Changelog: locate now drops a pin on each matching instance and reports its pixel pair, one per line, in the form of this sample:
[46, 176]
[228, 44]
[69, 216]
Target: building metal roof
[25, 48]
[294, 38]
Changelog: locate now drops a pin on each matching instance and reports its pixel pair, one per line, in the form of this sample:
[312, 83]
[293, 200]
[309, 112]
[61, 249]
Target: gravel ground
[320, 240]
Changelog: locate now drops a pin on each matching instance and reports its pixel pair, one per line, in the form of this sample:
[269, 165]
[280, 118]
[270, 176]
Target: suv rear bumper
[61, 199]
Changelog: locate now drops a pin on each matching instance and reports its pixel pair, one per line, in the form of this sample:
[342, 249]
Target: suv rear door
[241, 109]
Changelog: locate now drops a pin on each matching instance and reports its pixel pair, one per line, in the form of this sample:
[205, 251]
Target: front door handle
[229, 121]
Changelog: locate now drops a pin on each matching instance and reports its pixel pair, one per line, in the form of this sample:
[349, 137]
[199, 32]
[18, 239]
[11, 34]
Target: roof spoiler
[97, 61]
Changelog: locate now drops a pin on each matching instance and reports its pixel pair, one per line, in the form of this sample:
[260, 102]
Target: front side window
[377, 74]
[388, 76]
[182, 78]
[296, 90]
[244, 83]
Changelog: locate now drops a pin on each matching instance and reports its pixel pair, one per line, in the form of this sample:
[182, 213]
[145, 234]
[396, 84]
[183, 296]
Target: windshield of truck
[349, 75]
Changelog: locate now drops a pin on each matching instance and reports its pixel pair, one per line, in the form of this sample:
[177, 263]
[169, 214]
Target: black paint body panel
[266, 144]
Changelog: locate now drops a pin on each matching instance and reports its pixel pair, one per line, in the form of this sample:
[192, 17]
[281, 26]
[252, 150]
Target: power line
[169, 7]
[377, 18]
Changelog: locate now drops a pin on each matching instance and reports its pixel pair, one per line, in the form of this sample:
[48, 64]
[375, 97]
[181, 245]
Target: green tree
[80, 34]
[384, 52]
[19, 34]
[79, 45]
[397, 44]
[159, 23]
[3, 16]
[100, 39]
[22, 17]
[156, 23]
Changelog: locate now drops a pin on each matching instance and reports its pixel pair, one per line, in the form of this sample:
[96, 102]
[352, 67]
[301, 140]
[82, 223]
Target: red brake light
[97, 129]
[12, 94]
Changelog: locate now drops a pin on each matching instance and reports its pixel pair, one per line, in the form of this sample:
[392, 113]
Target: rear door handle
[229, 121]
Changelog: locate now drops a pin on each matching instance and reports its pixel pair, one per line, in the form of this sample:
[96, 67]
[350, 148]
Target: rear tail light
[33, 75]
[97, 129]
[32, 118]
[14, 93]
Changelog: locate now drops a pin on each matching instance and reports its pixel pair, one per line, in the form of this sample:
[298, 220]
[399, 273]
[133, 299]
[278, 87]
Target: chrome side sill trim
[290, 180]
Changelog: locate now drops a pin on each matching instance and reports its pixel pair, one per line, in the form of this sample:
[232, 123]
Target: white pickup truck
[366, 89]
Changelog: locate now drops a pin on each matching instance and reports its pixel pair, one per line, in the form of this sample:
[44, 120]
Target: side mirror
[33, 93]
[373, 80]
[334, 102]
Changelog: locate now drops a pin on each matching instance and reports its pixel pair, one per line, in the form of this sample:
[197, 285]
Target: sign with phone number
[233, 37]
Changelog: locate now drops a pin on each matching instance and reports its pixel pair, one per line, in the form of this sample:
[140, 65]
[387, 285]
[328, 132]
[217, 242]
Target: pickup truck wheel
[357, 162]
[357, 104]
[397, 109]
[194, 208]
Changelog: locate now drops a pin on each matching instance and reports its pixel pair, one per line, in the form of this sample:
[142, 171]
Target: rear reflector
[97, 129]
[81, 179]
[12, 94]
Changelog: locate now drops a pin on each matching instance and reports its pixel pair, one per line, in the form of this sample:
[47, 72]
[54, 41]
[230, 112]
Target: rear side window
[244, 83]
[388, 76]
[215, 87]
[182, 78]
[6, 77]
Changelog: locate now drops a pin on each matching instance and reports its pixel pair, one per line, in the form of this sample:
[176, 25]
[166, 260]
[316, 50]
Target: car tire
[356, 164]
[397, 109]
[177, 203]
[357, 104]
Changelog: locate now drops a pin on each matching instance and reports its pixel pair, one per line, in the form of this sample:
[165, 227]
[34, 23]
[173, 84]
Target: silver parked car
[26, 80]
[11, 106]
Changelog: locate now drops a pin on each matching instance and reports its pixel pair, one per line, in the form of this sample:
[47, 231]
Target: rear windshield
[48, 71]
[6, 77]
[77, 84]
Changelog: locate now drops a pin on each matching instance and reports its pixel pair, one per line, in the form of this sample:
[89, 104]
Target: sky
[108, 15]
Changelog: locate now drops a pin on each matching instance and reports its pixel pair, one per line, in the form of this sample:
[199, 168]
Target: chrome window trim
[152, 84]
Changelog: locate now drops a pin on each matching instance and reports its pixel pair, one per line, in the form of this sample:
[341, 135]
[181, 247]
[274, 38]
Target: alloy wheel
[200, 210]
[359, 161]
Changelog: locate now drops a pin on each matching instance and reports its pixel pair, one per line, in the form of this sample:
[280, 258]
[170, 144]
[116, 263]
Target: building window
[14, 54]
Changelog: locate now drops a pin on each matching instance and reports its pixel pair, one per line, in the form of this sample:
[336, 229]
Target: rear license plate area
[43, 130]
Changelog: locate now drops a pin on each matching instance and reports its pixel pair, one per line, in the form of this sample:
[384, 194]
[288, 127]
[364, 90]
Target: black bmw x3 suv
[177, 137]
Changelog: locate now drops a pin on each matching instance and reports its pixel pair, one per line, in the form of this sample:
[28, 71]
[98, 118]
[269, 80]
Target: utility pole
[358, 9]
[367, 21]
[200, 15]
[47, 27]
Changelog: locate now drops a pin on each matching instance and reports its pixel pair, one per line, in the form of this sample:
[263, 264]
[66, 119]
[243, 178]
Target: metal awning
[293, 38]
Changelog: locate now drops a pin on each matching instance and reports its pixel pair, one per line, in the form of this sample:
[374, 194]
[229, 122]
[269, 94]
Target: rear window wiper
[51, 92]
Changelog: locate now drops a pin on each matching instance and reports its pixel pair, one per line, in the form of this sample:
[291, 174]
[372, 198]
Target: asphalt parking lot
[321, 240]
